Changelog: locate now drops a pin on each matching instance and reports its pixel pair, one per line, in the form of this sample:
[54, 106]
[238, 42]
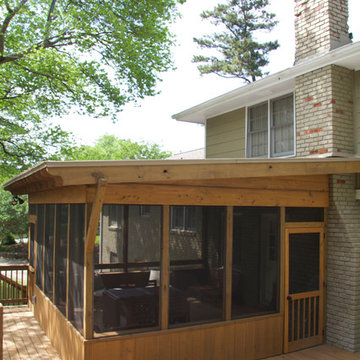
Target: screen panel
[76, 264]
[255, 271]
[40, 246]
[61, 246]
[49, 238]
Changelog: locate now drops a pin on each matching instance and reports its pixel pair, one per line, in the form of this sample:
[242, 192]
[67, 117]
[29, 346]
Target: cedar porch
[222, 191]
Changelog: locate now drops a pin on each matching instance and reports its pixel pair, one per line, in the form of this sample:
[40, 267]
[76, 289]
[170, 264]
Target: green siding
[225, 135]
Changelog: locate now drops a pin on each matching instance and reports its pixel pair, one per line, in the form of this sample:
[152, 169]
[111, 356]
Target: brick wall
[324, 112]
[320, 26]
[342, 110]
[357, 112]
[325, 127]
[343, 266]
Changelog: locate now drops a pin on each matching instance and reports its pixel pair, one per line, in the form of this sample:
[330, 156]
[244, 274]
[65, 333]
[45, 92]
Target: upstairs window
[270, 128]
[115, 216]
[183, 218]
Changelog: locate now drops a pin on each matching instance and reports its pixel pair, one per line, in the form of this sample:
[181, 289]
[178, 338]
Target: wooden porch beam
[53, 175]
[212, 196]
[201, 170]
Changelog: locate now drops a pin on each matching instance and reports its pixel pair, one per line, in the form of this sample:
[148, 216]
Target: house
[212, 258]
[191, 154]
[311, 110]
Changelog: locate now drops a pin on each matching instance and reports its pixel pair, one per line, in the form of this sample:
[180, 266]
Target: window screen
[272, 121]
[304, 262]
[183, 218]
[197, 268]
[255, 272]
[49, 250]
[126, 295]
[112, 234]
[32, 211]
[61, 256]
[304, 214]
[40, 246]
[115, 216]
[282, 126]
[76, 265]
[258, 130]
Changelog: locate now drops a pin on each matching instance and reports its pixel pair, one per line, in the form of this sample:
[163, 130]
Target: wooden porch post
[89, 257]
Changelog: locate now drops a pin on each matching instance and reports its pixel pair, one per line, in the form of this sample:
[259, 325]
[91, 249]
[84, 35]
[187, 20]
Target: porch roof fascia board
[273, 85]
[76, 173]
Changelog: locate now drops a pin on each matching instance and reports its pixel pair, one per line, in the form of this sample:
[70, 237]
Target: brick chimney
[320, 26]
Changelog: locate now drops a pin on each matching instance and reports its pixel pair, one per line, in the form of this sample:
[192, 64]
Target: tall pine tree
[241, 55]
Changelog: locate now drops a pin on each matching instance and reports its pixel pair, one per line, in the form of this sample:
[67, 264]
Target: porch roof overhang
[53, 175]
[274, 85]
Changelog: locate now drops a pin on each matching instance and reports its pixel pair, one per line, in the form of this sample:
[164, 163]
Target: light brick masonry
[320, 26]
[343, 267]
[324, 112]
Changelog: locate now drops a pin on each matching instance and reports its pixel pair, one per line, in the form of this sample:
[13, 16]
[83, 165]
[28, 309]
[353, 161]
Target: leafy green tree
[109, 147]
[60, 54]
[13, 219]
[241, 56]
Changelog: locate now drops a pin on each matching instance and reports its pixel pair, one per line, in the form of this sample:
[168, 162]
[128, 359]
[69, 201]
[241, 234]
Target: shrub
[9, 240]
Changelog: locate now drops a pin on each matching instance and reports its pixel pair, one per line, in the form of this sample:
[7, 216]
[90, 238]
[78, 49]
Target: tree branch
[9, 153]
[50, 77]
[49, 20]
[6, 22]
[8, 6]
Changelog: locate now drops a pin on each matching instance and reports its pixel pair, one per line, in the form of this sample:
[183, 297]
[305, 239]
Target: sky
[150, 120]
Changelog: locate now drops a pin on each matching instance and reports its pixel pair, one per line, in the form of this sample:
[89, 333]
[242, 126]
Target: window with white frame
[144, 210]
[183, 218]
[115, 216]
[270, 128]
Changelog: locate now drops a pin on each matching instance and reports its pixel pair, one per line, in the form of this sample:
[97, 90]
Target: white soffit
[271, 86]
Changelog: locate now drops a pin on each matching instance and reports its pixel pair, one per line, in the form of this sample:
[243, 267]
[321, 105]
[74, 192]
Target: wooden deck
[322, 352]
[23, 339]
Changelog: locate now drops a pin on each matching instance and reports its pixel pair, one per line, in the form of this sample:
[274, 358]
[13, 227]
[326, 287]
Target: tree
[13, 219]
[95, 55]
[241, 55]
[109, 147]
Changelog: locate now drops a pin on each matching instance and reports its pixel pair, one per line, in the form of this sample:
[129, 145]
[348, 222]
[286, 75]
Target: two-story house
[311, 110]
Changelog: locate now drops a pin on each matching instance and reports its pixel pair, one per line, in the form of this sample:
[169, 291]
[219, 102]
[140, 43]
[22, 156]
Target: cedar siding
[225, 135]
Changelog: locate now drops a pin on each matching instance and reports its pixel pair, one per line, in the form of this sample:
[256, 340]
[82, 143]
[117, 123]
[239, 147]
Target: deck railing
[13, 284]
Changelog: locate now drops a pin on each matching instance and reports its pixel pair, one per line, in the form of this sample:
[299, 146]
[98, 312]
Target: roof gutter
[348, 53]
